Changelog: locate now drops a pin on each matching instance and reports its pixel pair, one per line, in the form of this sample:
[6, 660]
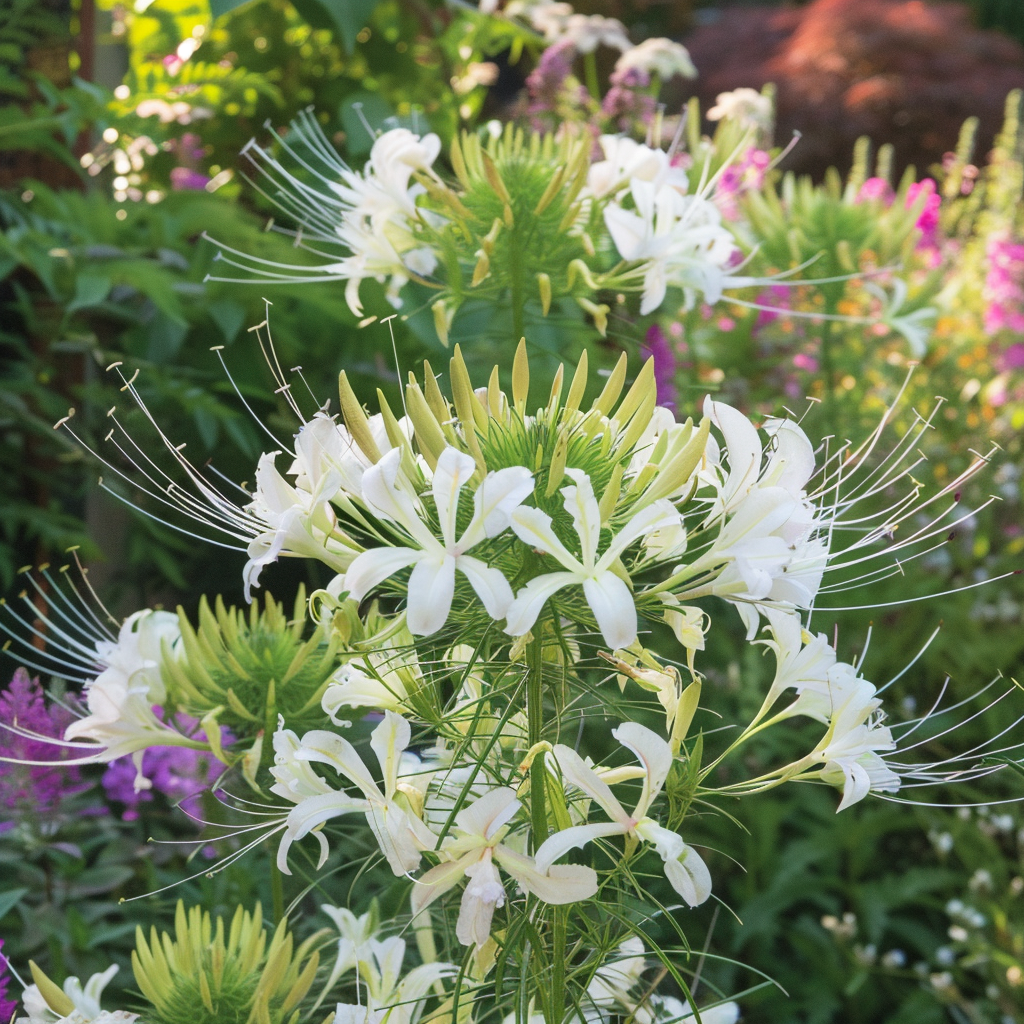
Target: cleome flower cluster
[498, 560]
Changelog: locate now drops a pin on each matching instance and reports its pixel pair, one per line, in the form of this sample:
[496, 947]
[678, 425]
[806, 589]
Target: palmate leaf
[347, 17]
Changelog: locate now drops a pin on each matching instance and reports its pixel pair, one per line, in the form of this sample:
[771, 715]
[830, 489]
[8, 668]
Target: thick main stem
[535, 726]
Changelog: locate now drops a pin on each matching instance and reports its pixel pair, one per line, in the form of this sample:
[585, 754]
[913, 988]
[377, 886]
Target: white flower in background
[355, 935]
[849, 750]
[747, 106]
[679, 239]
[399, 833]
[388, 995]
[626, 160]
[121, 698]
[474, 850]
[83, 1003]
[684, 868]
[670, 1010]
[586, 32]
[606, 592]
[661, 57]
[372, 212]
[432, 583]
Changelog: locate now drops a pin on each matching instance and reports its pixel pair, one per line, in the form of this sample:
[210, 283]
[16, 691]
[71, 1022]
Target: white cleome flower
[85, 1001]
[606, 592]
[474, 850]
[435, 562]
[659, 56]
[679, 240]
[400, 834]
[625, 161]
[389, 995]
[121, 698]
[745, 105]
[684, 868]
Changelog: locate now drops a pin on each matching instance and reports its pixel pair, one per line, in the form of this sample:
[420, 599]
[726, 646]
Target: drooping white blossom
[400, 834]
[658, 56]
[474, 850]
[747, 106]
[684, 868]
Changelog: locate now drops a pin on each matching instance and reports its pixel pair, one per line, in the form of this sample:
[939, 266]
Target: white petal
[659, 515]
[325, 747]
[689, 876]
[490, 585]
[580, 503]
[576, 771]
[438, 880]
[484, 892]
[561, 883]
[453, 470]
[485, 816]
[612, 604]
[498, 495]
[372, 567]
[388, 740]
[573, 838]
[431, 589]
[743, 447]
[533, 527]
[653, 753]
[529, 602]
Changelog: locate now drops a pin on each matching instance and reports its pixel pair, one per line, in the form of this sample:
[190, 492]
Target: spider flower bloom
[475, 849]
[121, 674]
[400, 834]
[686, 871]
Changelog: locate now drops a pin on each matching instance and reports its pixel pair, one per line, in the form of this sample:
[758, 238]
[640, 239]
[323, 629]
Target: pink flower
[875, 190]
[1004, 285]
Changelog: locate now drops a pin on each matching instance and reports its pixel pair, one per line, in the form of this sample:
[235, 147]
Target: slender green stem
[590, 71]
[559, 922]
[535, 726]
[828, 370]
[518, 284]
[276, 886]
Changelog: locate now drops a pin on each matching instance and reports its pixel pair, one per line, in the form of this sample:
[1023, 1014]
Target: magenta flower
[1004, 285]
[180, 773]
[875, 190]
[26, 789]
[657, 345]
[7, 1006]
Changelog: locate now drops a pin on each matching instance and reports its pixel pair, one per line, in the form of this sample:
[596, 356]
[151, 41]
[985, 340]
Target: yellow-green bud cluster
[206, 975]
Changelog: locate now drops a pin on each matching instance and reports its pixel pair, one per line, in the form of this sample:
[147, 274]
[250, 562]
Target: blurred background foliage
[885, 915]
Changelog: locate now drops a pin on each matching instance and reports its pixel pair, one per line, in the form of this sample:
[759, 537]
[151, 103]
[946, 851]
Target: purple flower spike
[33, 790]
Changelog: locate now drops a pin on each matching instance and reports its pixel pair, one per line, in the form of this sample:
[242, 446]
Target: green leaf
[90, 290]
[9, 900]
[228, 316]
[219, 7]
[375, 111]
[1008, 762]
[349, 17]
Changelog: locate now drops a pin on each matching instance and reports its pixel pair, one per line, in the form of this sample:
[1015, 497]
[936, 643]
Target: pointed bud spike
[442, 321]
[637, 394]
[429, 435]
[520, 377]
[355, 419]
[556, 472]
[458, 163]
[494, 178]
[55, 997]
[578, 385]
[482, 270]
[611, 494]
[612, 388]
[544, 288]
[432, 393]
[550, 192]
